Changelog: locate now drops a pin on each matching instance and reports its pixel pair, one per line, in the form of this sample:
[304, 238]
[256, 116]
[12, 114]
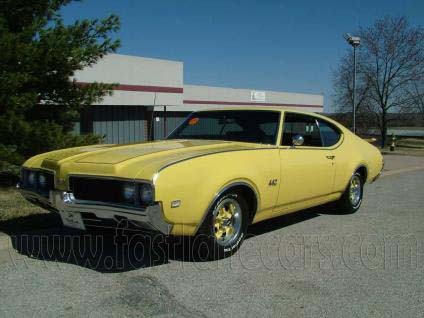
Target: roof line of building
[214, 102]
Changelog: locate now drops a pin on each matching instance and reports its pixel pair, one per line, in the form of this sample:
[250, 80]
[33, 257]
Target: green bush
[39, 96]
[28, 140]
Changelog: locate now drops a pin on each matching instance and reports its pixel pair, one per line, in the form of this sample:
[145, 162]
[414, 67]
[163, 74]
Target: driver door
[307, 170]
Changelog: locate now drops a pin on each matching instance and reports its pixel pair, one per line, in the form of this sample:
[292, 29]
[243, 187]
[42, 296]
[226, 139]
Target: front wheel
[225, 226]
[351, 199]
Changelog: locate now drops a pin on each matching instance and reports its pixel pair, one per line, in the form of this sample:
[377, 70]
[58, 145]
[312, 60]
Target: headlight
[128, 192]
[42, 181]
[32, 179]
[146, 193]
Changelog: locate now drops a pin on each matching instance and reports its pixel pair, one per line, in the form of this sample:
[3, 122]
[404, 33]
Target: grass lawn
[418, 152]
[407, 146]
[410, 143]
[18, 216]
[404, 146]
[13, 205]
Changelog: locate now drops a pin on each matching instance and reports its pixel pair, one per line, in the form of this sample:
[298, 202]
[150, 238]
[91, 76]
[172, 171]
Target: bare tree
[416, 98]
[343, 85]
[391, 58]
[343, 91]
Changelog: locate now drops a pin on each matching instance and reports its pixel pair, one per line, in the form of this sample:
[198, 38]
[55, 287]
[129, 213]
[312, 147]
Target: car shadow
[282, 222]
[102, 249]
[109, 250]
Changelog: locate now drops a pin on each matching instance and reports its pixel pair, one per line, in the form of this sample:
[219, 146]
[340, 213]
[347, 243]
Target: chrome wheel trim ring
[226, 227]
[355, 190]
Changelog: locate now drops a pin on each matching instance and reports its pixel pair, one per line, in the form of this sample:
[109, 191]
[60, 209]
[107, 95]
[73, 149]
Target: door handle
[331, 157]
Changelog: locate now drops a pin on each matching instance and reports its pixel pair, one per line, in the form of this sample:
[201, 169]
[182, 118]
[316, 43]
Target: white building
[145, 84]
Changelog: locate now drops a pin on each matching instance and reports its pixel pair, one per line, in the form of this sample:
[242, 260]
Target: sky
[291, 46]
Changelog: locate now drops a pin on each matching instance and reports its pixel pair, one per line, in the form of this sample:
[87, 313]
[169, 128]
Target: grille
[102, 190]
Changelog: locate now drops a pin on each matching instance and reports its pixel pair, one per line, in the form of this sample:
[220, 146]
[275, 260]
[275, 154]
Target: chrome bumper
[150, 217]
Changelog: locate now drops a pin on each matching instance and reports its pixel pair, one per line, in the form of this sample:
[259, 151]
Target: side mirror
[298, 140]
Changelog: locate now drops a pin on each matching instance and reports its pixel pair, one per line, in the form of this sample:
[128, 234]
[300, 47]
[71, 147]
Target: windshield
[255, 126]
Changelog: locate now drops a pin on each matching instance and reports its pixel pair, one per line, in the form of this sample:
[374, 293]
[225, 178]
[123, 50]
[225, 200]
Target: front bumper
[150, 218]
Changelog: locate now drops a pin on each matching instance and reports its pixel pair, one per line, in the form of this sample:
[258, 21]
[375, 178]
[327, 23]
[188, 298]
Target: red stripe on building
[214, 102]
[180, 90]
[144, 88]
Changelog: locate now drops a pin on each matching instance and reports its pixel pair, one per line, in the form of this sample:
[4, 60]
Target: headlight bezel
[139, 197]
[42, 180]
[30, 180]
[146, 193]
[129, 192]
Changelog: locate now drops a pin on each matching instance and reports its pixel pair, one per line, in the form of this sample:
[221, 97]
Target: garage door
[120, 124]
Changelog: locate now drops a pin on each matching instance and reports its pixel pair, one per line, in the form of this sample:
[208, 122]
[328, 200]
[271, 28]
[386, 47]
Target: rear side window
[329, 133]
[304, 125]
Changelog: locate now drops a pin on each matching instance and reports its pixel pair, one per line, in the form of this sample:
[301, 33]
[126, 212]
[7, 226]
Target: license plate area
[72, 219]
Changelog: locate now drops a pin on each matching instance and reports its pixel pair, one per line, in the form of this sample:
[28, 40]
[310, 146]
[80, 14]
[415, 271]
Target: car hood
[139, 161]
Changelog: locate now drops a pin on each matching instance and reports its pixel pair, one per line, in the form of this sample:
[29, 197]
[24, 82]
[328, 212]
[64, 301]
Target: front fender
[198, 181]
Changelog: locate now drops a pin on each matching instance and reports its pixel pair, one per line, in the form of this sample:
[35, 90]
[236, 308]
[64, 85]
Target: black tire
[207, 243]
[347, 203]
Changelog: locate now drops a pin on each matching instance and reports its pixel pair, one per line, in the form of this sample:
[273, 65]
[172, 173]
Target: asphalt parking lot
[312, 263]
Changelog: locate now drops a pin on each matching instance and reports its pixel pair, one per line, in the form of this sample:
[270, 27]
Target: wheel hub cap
[355, 190]
[227, 221]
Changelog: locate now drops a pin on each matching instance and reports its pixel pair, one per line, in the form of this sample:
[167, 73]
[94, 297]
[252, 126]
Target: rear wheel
[351, 199]
[225, 226]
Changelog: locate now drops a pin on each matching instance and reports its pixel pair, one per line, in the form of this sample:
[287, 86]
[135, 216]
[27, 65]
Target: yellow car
[217, 173]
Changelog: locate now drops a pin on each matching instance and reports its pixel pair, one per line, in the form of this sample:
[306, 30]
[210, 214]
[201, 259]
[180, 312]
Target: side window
[304, 125]
[329, 133]
[270, 129]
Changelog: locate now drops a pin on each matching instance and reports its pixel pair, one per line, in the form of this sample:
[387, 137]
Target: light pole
[354, 41]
